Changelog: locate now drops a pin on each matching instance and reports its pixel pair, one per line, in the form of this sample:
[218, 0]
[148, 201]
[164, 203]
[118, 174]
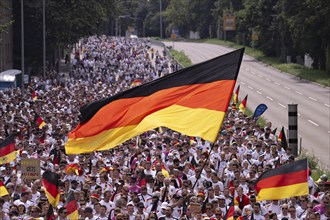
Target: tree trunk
[327, 59]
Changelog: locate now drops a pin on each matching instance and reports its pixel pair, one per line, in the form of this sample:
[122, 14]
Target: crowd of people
[160, 174]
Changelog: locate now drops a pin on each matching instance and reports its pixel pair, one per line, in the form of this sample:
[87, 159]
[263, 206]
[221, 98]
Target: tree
[309, 24]
[5, 18]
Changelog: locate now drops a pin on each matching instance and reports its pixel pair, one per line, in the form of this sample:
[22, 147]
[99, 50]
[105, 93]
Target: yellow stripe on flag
[186, 121]
[277, 193]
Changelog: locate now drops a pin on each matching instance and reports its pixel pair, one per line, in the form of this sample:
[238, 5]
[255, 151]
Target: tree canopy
[279, 28]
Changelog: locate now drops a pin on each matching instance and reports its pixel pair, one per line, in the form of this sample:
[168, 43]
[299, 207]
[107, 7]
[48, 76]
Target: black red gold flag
[50, 213]
[7, 150]
[50, 181]
[40, 122]
[192, 101]
[235, 99]
[282, 139]
[286, 181]
[72, 207]
[242, 106]
[3, 190]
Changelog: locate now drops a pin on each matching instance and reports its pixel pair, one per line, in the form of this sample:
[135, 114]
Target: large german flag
[72, 207]
[50, 181]
[7, 150]
[192, 101]
[283, 182]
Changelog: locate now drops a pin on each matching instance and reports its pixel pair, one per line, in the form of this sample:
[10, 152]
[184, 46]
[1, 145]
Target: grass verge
[181, 57]
[302, 72]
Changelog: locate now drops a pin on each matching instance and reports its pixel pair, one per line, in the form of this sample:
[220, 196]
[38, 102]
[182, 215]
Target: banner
[259, 111]
[30, 169]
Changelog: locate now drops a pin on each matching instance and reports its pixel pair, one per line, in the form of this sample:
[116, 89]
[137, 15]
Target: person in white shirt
[257, 212]
[284, 212]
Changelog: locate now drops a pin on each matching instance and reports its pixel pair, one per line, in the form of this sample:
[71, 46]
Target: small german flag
[72, 207]
[40, 122]
[3, 190]
[7, 150]
[50, 213]
[192, 101]
[282, 139]
[136, 82]
[34, 95]
[286, 181]
[242, 106]
[235, 99]
[230, 213]
[50, 181]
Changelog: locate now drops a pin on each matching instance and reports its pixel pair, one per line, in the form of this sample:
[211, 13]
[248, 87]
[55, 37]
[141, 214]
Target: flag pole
[208, 157]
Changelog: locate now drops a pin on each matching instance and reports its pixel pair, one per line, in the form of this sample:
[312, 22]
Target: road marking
[243, 83]
[281, 105]
[250, 87]
[269, 98]
[268, 80]
[247, 69]
[260, 76]
[288, 88]
[312, 99]
[299, 93]
[327, 105]
[310, 121]
[253, 73]
[277, 83]
[299, 114]
[259, 92]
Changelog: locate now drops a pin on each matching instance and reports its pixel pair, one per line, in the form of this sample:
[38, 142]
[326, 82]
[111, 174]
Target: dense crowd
[160, 174]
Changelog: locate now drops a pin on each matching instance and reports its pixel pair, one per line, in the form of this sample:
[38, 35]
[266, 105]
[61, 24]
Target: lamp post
[22, 43]
[160, 19]
[44, 36]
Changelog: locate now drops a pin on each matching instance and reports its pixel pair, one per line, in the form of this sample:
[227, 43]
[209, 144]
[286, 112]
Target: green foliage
[313, 163]
[181, 57]
[5, 18]
[318, 76]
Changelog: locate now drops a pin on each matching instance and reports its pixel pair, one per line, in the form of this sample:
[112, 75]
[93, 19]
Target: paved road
[267, 85]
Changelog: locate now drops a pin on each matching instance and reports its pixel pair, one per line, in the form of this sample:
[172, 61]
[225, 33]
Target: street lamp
[22, 43]
[160, 19]
[44, 37]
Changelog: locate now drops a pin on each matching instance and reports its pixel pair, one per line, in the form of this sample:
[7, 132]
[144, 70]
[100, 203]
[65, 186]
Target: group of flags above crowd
[176, 101]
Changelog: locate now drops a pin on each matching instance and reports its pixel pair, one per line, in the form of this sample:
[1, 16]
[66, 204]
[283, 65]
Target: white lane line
[327, 105]
[254, 73]
[277, 83]
[299, 93]
[260, 76]
[269, 98]
[247, 69]
[312, 98]
[250, 87]
[259, 92]
[288, 88]
[268, 80]
[310, 121]
[281, 105]
[243, 83]
[299, 114]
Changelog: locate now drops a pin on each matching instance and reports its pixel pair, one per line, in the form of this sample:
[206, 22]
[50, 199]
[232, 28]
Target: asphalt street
[265, 84]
